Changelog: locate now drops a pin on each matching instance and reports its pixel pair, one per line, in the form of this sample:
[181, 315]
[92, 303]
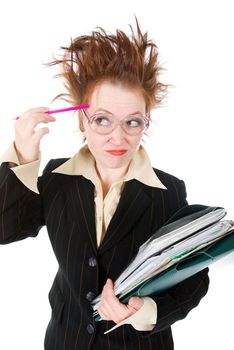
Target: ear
[80, 120]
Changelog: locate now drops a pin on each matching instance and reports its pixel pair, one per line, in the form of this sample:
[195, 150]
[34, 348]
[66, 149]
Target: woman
[101, 204]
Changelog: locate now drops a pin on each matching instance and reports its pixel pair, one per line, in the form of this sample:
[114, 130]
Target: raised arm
[21, 212]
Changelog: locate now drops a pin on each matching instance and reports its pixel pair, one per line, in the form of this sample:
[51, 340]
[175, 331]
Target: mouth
[118, 152]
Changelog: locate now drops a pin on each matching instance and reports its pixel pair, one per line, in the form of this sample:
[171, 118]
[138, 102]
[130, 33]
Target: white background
[192, 138]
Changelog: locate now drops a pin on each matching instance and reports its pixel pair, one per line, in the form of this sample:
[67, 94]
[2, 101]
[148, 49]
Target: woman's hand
[27, 140]
[112, 309]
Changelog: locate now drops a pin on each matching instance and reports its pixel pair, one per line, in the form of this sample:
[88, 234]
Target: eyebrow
[105, 110]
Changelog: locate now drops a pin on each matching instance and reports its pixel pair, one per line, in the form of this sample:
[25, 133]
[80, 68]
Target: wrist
[24, 159]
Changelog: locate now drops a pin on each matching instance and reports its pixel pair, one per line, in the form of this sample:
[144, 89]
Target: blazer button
[90, 296]
[92, 262]
[90, 328]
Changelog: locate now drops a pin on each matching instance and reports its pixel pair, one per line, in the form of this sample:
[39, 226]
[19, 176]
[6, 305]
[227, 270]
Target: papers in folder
[190, 230]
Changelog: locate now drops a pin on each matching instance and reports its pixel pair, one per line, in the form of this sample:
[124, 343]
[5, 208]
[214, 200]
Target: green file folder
[185, 268]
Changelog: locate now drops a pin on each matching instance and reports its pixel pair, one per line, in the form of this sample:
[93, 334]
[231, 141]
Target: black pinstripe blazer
[66, 206]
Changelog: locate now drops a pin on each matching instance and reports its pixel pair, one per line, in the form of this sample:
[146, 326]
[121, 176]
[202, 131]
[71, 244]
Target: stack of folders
[193, 238]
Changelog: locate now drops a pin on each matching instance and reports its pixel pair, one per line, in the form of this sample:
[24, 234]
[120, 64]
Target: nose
[117, 136]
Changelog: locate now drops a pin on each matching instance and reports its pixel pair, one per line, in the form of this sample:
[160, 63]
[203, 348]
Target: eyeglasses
[104, 124]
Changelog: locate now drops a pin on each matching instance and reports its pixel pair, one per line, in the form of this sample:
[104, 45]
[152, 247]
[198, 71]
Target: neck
[109, 176]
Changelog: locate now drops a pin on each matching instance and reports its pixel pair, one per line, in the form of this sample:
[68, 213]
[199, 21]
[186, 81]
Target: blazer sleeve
[21, 211]
[175, 303]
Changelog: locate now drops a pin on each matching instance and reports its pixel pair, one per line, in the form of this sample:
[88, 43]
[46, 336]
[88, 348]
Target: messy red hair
[92, 59]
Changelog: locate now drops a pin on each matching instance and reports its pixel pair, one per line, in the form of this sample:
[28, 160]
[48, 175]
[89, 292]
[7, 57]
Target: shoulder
[54, 182]
[167, 179]
[176, 190]
[53, 164]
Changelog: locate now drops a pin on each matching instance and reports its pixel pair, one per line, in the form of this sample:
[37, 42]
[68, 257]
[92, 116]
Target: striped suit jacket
[66, 206]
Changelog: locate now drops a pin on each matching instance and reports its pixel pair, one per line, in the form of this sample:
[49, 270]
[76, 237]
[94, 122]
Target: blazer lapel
[82, 205]
[133, 202]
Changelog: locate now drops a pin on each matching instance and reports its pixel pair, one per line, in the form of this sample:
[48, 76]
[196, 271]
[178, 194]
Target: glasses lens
[102, 124]
[134, 125]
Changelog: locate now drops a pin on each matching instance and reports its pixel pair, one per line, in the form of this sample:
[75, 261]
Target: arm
[26, 173]
[175, 303]
[21, 212]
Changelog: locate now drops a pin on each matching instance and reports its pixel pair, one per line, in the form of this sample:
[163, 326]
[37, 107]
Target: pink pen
[74, 108]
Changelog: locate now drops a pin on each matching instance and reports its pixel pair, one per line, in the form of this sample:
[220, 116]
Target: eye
[134, 122]
[102, 120]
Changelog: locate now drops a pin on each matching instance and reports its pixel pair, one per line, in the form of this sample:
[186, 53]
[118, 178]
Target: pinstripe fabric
[66, 206]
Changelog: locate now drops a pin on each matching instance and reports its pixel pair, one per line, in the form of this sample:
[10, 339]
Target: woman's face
[116, 149]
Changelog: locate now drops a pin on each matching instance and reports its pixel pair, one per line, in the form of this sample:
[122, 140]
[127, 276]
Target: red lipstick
[117, 152]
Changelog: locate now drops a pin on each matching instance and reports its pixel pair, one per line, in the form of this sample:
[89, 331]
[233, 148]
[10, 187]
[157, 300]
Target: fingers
[32, 117]
[109, 302]
[27, 139]
[40, 133]
[112, 309]
[135, 303]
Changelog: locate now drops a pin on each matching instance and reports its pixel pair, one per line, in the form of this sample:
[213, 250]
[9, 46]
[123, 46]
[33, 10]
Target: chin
[117, 163]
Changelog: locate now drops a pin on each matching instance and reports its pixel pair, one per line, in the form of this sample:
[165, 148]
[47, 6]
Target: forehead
[117, 99]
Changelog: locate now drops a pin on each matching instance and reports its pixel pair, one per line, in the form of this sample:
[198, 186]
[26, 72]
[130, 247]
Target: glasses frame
[90, 120]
